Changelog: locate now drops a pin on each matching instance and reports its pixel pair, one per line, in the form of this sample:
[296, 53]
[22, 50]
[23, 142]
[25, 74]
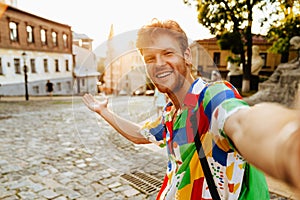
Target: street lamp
[24, 56]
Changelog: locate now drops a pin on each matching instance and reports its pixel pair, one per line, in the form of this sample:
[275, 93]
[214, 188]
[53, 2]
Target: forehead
[161, 42]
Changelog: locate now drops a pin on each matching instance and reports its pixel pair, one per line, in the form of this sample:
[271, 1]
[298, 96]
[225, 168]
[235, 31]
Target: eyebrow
[164, 50]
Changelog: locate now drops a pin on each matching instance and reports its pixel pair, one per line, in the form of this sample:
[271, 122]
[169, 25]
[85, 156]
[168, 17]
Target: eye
[169, 53]
[149, 60]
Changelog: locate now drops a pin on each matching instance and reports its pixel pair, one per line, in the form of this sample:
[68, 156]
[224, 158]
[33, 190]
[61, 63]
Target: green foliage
[231, 41]
[233, 59]
[284, 23]
[231, 21]
[280, 35]
[221, 16]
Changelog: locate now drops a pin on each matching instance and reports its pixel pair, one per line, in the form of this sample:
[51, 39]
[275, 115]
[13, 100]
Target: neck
[178, 96]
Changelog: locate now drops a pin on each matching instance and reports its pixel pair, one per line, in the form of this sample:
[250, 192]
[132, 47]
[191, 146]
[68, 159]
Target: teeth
[164, 74]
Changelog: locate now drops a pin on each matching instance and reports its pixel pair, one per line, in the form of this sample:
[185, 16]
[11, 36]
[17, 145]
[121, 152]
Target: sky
[94, 17]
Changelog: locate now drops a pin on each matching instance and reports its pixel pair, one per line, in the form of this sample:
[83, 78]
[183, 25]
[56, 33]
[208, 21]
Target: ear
[188, 56]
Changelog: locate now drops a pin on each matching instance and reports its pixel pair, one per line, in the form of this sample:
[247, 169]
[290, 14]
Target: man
[231, 132]
[49, 88]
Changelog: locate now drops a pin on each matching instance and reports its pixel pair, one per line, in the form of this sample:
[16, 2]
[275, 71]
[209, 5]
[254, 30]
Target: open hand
[94, 104]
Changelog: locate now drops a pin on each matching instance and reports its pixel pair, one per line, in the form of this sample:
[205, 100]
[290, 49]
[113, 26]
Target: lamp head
[24, 56]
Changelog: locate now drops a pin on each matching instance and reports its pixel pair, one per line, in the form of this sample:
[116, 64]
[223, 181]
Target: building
[86, 75]
[82, 40]
[207, 56]
[124, 68]
[48, 48]
[125, 74]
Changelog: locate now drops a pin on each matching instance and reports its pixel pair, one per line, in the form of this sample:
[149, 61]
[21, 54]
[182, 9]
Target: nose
[160, 61]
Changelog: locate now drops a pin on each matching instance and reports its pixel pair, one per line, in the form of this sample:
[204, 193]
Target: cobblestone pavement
[58, 149]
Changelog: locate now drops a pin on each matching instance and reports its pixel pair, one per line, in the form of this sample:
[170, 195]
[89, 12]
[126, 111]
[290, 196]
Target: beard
[173, 84]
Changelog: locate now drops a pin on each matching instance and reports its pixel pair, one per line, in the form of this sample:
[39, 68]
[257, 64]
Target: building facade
[124, 75]
[124, 72]
[48, 48]
[85, 73]
[208, 56]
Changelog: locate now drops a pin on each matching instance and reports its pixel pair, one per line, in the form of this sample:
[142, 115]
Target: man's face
[166, 64]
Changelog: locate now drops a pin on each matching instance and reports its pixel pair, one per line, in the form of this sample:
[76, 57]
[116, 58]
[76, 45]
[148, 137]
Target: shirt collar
[191, 97]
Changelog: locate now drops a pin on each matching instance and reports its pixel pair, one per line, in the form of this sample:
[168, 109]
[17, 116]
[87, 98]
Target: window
[1, 69]
[69, 85]
[46, 65]
[13, 31]
[32, 65]
[217, 58]
[44, 37]
[56, 65]
[36, 89]
[264, 57]
[17, 66]
[29, 30]
[54, 38]
[65, 39]
[58, 86]
[67, 65]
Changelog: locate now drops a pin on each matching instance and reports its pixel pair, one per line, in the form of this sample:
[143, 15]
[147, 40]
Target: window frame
[56, 65]
[30, 34]
[54, 38]
[46, 65]
[43, 33]
[17, 65]
[13, 31]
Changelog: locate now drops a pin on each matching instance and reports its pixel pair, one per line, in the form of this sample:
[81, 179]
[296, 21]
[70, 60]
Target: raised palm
[93, 104]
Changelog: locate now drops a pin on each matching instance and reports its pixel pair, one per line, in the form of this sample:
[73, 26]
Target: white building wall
[12, 83]
[85, 71]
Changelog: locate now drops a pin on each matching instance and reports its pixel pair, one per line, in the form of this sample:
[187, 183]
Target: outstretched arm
[126, 128]
[268, 136]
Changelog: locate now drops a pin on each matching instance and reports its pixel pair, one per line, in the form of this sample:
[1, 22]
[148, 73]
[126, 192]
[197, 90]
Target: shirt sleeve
[153, 131]
[220, 101]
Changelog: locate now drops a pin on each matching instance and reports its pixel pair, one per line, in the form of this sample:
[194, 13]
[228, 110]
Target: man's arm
[126, 128]
[267, 135]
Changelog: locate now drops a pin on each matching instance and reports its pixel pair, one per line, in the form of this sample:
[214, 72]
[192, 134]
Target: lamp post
[24, 56]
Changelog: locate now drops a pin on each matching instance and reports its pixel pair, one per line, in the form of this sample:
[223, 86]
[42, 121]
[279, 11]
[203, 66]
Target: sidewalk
[48, 154]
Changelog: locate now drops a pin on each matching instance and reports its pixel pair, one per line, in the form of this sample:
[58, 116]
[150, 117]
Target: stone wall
[281, 87]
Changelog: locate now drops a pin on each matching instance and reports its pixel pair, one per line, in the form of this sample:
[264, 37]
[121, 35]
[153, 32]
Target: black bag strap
[202, 157]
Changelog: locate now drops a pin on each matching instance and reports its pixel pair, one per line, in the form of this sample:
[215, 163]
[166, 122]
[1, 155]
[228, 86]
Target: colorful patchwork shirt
[184, 180]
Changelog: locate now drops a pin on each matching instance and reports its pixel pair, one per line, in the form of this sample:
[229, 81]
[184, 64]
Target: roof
[80, 36]
[256, 39]
[36, 16]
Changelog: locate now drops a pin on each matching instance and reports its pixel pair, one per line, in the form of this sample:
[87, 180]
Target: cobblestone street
[58, 149]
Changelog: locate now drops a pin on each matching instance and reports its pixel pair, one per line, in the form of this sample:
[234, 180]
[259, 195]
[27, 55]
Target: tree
[285, 20]
[230, 17]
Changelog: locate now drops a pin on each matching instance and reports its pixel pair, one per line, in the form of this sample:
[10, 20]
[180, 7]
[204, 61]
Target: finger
[88, 100]
[85, 100]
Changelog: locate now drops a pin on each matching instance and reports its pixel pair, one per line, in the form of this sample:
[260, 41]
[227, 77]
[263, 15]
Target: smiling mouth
[164, 74]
